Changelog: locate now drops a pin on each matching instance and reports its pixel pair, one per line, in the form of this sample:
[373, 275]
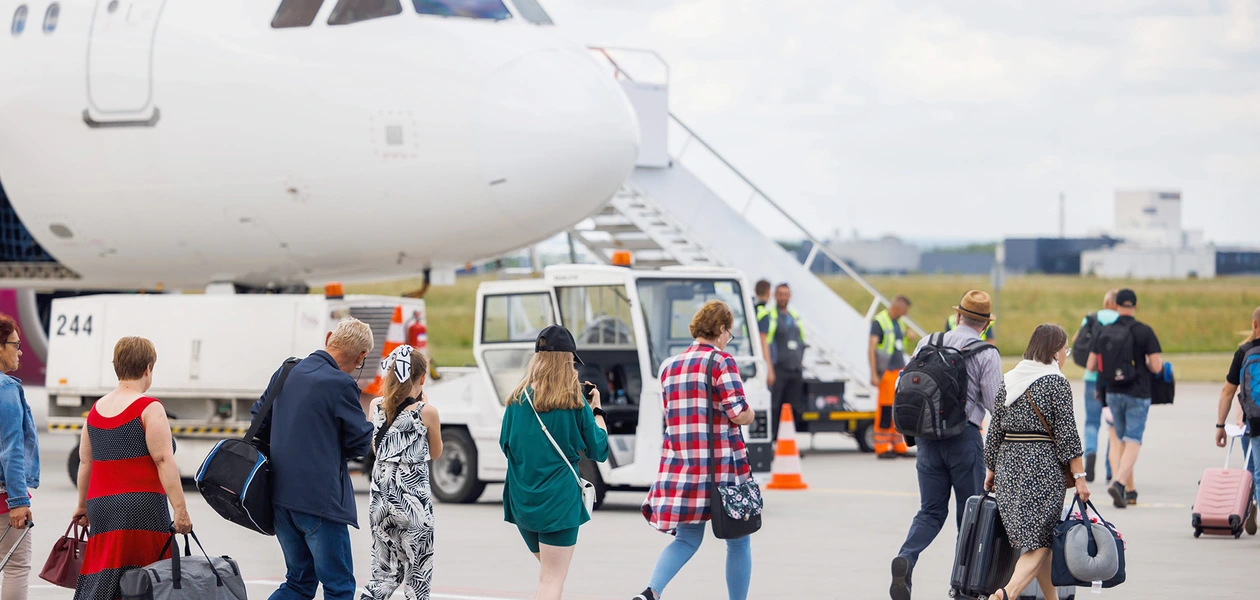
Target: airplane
[271, 144]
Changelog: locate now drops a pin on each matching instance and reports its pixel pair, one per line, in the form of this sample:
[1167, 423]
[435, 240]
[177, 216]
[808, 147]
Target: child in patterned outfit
[407, 435]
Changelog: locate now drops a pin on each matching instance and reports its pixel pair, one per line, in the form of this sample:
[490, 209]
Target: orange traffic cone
[393, 339]
[785, 471]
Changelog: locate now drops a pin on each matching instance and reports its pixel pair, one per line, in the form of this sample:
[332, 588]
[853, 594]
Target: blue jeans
[686, 542]
[1093, 424]
[1128, 414]
[956, 463]
[1253, 442]
[316, 551]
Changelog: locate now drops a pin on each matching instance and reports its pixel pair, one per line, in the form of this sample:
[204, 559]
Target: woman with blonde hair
[407, 436]
[127, 473]
[547, 428]
[678, 503]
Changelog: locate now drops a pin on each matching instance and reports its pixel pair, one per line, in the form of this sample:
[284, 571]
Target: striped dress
[126, 505]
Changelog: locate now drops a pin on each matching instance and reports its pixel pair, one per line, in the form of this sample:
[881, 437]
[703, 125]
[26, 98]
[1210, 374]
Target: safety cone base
[785, 471]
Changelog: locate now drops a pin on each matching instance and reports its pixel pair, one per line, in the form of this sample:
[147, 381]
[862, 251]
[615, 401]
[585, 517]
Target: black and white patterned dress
[401, 509]
[1029, 474]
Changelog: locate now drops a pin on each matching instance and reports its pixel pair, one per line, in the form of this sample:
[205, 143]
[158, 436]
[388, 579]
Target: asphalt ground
[834, 540]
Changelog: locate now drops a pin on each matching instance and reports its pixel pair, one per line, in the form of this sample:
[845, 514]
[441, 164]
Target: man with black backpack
[1126, 356]
[942, 397]
[1082, 345]
[1243, 380]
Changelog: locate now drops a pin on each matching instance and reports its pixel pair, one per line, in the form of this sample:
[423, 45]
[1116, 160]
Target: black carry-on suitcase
[984, 559]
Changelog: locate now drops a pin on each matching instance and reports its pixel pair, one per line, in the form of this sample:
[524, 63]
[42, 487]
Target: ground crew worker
[762, 297]
[782, 335]
[986, 335]
[887, 358]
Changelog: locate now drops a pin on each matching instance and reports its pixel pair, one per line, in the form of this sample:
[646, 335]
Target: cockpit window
[51, 16]
[296, 13]
[471, 9]
[354, 11]
[19, 21]
[533, 12]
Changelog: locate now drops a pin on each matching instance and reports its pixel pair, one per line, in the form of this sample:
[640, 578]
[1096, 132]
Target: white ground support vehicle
[216, 354]
[626, 322]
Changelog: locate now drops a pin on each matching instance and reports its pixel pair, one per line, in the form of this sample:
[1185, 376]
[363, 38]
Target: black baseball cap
[555, 338]
[1126, 297]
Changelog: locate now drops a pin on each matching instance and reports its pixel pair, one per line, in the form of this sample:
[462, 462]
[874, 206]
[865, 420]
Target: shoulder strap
[711, 413]
[975, 347]
[385, 427]
[563, 458]
[1040, 417]
[272, 393]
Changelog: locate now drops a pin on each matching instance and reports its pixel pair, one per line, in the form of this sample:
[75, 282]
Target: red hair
[7, 327]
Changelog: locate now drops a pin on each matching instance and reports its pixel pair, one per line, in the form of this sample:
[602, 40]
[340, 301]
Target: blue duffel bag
[1087, 551]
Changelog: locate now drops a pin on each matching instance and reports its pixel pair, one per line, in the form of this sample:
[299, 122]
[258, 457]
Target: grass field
[1199, 322]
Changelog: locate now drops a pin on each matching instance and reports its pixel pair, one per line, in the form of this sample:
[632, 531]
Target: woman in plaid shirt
[678, 502]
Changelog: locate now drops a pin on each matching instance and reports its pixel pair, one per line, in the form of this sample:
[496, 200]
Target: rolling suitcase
[983, 559]
[25, 531]
[1224, 497]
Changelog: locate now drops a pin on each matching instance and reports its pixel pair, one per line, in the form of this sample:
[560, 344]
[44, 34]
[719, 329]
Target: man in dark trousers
[955, 463]
[315, 425]
[781, 333]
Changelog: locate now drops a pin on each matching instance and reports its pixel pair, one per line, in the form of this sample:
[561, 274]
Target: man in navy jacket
[316, 424]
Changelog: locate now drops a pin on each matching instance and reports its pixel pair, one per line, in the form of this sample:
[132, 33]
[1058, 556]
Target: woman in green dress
[542, 495]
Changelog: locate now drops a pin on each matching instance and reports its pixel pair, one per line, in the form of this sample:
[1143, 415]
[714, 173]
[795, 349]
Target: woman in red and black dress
[127, 473]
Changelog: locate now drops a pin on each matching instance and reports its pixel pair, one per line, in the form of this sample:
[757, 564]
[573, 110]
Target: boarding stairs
[667, 215]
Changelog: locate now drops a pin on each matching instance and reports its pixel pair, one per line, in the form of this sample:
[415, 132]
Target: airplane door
[120, 62]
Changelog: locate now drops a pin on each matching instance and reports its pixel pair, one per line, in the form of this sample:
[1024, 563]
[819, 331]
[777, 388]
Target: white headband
[400, 361]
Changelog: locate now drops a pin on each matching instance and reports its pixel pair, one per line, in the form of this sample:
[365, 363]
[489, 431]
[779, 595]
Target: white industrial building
[888, 254]
[1155, 244]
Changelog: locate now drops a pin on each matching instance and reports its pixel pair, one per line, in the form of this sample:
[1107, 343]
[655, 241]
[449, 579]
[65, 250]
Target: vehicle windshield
[469, 9]
[669, 304]
[598, 316]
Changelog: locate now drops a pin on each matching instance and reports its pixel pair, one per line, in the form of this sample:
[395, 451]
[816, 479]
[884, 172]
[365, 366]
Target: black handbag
[735, 509]
[1060, 571]
[235, 478]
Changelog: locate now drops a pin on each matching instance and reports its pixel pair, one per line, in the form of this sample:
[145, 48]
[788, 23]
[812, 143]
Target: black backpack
[1084, 343]
[1116, 355]
[235, 478]
[931, 398]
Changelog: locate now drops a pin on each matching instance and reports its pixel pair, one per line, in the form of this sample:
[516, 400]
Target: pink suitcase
[1224, 497]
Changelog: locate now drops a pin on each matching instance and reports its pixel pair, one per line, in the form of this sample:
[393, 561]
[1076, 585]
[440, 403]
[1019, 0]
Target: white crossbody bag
[588, 488]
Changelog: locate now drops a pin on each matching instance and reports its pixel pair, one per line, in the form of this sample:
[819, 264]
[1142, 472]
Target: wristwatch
[1220, 426]
[1076, 476]
[599, 412]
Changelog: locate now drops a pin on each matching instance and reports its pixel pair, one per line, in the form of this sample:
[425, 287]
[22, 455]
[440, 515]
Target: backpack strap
[975, 348]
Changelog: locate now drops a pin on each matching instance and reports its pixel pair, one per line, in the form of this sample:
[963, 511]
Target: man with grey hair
[955, 463]
[1082, 344]
[315, 425]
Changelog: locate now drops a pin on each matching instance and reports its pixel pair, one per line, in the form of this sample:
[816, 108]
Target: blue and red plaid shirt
[681, 492]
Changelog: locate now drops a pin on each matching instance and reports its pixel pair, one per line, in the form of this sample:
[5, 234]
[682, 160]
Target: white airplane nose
[556, 137]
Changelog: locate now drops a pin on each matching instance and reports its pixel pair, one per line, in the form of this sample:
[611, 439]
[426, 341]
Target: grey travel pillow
[1103, 565]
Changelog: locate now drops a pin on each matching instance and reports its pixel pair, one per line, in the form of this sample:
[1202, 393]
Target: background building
[1155, 244]
[1056, 256]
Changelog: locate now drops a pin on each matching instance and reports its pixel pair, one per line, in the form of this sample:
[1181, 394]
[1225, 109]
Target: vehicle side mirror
[747, 370]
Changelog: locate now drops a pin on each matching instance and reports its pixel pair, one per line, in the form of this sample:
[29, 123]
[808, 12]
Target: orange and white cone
[394, 337]
[785, 471]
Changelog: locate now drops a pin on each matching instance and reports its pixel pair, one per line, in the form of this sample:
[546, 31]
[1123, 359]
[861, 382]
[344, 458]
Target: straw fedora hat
[976, 304]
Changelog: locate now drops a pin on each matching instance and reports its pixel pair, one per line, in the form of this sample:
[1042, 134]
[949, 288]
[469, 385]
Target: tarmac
[834, 540]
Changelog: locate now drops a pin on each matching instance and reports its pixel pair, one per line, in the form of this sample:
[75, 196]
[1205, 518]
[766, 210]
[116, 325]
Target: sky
[964, 120]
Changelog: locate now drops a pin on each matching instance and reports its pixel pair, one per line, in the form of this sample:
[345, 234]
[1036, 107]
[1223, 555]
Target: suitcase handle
[1229, 453]
[25, 530]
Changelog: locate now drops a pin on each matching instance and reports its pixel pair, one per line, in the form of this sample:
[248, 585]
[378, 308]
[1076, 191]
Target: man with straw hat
[955, 463]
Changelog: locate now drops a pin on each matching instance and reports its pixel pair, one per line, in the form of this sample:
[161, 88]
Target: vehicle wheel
[454, 474]
[1198, 532]
[865, 436]
[590, 472]
[72, 466]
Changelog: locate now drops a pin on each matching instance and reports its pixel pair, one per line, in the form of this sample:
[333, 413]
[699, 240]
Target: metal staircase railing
[755, 194]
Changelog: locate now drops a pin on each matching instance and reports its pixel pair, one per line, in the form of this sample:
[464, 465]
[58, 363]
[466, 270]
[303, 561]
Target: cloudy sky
[902, 116]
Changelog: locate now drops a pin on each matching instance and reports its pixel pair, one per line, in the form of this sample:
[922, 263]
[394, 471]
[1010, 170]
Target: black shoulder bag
[734, 508]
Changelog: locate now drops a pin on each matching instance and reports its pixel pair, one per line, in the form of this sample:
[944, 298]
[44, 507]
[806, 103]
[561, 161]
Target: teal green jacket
[540, 493]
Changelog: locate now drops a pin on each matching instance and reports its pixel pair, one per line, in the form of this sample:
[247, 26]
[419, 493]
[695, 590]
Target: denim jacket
[19, 447]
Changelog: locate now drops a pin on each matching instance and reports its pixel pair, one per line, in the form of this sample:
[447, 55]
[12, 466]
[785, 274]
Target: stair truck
[216, 354]
[626, 322]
